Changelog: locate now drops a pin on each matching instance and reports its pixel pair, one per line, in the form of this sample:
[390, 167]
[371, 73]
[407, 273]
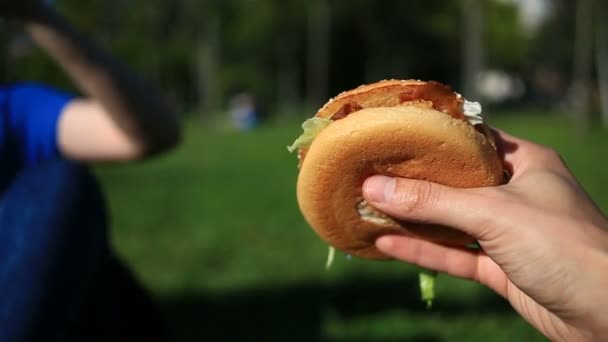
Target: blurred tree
[374, 40]
[319, 33]
[505, 45]
[289, 28]
[262, 43]
[583, 45]
[292, 53]
[207, 55]
[472, 45]
[288, 75]
[548, 60]
[601, 40]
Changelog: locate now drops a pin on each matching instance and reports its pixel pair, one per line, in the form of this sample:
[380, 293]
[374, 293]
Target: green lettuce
[330, 257]
[311, 127]
[427, 286]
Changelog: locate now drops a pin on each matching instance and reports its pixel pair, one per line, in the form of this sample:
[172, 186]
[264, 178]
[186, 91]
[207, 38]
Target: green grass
[213, 231]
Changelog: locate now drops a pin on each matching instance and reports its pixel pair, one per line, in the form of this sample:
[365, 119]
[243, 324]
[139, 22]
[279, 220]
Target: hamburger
[402, 128]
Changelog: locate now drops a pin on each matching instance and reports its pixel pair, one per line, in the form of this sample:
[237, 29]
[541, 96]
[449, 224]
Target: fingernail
[384, 243]
[379, 188]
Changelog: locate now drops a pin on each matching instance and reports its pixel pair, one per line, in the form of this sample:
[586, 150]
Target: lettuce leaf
[330, 257]
[311, 127]
[427, 286]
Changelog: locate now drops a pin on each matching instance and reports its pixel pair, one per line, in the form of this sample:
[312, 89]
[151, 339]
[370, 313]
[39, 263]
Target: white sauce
[472, 111]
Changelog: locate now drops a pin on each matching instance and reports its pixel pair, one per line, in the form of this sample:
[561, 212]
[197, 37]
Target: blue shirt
[29, 114]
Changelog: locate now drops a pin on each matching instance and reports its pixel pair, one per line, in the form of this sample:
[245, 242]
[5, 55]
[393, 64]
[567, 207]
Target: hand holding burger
[411, 173]
[544, 242]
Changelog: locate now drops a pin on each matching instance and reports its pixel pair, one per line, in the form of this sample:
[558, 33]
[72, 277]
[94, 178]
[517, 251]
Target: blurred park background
[213, 230]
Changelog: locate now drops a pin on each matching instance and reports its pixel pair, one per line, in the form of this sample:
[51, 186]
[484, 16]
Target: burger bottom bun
[413, 141]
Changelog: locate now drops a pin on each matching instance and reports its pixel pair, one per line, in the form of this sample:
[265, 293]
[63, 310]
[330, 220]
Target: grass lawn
[213, 231]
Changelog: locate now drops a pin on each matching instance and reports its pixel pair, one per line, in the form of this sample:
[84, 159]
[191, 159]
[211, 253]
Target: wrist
[595, 321]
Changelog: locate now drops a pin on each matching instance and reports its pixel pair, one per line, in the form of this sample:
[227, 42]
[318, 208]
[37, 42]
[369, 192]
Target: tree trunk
[287, 78]
[319, 24]
[583, 45]
[207, 66]
[601, 60]
[472, 46]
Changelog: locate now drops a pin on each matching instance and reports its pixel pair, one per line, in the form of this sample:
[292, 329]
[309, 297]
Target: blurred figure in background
[243, 112]
[58, 277]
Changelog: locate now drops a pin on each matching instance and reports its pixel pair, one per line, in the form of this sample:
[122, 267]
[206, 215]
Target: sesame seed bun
[412, 140]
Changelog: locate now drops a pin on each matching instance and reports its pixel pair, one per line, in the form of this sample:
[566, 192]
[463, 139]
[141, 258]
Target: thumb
[466, 210]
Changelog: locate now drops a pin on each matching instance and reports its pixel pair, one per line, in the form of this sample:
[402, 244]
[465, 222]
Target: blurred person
[544, 243]
[58, 276]
[243, 112]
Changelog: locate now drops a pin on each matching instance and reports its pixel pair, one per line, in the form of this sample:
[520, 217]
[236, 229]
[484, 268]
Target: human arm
[544, 242]
[121, 116]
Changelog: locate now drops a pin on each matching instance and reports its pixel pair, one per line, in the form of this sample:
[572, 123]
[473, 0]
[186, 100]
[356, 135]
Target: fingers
[472, 211]
[469, 210]
[521, 156]
[460, 263]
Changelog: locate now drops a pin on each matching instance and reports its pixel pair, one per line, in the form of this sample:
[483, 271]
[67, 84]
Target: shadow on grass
[297, 313]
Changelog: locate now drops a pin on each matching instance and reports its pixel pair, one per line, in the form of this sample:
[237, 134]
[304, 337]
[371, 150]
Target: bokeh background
[212, 229]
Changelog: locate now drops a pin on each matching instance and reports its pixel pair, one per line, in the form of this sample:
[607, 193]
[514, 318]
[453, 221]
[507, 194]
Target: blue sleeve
[34, 112]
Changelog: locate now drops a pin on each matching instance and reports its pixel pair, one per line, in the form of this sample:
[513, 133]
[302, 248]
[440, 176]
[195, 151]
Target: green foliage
[553, 45]
[507, 46]
[396, 39]
[370, 40]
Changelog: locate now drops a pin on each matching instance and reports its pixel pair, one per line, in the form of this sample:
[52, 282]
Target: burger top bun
[391, 93]
[389, 136]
